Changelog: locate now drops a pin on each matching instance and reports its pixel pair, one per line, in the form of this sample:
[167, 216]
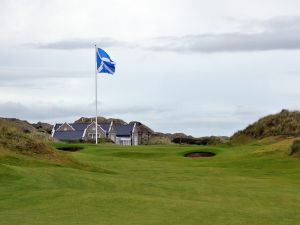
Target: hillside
[43, 127]
[283, 123]
[22, 125]
[22, 144]
[22, 137]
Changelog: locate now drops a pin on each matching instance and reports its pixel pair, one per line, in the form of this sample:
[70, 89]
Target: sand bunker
[199, 154]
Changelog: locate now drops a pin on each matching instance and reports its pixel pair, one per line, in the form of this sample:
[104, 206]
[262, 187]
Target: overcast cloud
[278, 33]
[167, 76]
[81, 44]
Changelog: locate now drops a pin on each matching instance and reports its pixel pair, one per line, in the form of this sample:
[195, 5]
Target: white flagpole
[96, 95]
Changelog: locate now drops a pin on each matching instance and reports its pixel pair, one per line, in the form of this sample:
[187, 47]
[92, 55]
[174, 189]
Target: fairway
[257, 183]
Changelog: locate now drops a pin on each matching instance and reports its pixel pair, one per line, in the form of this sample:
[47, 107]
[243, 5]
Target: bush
[105, 140]
[159, 141]
[295, 148]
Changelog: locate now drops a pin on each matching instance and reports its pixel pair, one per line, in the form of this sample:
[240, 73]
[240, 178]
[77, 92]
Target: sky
[194, 66]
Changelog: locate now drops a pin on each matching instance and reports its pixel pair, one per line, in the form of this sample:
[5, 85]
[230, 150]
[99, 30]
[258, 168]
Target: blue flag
[104, 63]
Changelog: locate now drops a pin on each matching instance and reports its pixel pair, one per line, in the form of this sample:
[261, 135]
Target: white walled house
[82, 131]
[120, 134]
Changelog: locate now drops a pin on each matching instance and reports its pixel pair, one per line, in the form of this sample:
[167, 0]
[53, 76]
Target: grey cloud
[46, 112]
[210, 122]
[280, 33]
[39, 111]
[40, 72]
[244, 112]
[231, 42]
[133, 110]
[214, 121]
[32, 76]
[75, 44]
[202, 126]
[281, 23]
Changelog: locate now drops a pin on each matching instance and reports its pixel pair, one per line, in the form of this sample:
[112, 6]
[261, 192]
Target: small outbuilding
[126, 134]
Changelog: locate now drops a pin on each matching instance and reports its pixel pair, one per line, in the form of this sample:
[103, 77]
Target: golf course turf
[254, 183]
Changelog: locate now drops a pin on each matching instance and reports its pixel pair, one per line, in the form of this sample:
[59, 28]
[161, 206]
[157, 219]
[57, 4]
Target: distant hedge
[199, 141]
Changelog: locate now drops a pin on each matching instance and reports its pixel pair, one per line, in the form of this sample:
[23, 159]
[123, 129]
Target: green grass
[257, 183]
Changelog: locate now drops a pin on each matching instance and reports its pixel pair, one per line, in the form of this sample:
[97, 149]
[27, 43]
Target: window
[93, 135]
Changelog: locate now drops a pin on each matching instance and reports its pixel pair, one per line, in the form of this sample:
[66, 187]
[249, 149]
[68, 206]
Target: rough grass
[13, 137]
[19, 147]
[283, 123]
[256, 184]
[156, 140]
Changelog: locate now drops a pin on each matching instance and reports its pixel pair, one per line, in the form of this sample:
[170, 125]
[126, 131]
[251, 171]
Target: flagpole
[96, 94]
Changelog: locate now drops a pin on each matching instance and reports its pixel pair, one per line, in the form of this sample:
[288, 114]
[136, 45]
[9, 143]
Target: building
[119, 134]
[126, 134]
[82, 131]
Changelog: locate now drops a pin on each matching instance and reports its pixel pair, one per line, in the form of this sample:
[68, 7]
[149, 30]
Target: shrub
[105, 140]
[159, 141]
[295, 148]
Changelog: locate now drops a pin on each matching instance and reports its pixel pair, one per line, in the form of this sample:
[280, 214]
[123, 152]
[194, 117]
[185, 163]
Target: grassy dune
[254, 183]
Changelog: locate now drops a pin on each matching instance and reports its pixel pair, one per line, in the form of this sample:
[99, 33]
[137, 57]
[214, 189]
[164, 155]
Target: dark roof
[68, 135]
[105, 126]
[80, 126]
[83, 126]
[77, 133]
[57, 126]
[124, 130]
